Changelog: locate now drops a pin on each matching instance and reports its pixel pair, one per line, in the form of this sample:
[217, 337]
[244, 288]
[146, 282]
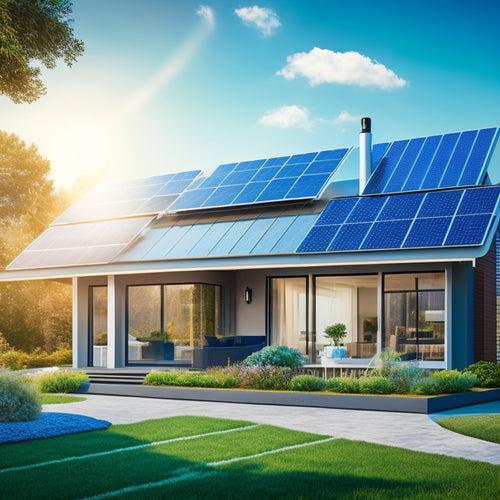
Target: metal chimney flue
[365, 153]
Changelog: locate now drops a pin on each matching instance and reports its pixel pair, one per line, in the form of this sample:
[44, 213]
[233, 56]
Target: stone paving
[405, 430]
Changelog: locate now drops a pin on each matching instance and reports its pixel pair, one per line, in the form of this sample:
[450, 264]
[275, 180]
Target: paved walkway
[405, 430]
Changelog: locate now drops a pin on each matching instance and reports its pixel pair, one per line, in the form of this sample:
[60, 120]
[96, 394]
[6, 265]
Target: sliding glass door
[288, 313]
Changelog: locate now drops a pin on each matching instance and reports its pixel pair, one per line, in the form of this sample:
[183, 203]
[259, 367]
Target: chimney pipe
[365, 153]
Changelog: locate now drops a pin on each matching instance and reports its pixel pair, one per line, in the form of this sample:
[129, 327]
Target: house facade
[395, 240]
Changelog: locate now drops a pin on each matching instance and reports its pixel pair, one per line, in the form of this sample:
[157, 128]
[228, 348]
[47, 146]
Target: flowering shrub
[264, 377]
[276, 356]
[19, 399]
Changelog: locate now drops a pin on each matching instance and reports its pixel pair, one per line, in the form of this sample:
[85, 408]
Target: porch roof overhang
[232, 263]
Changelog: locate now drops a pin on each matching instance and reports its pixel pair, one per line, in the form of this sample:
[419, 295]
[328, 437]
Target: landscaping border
[412, 404]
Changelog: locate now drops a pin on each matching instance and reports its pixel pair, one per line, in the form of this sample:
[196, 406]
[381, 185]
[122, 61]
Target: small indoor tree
[336, 332]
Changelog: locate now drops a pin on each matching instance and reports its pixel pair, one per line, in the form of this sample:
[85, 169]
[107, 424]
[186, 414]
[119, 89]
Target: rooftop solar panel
[80, 244]
[459, 217]
[286, 178]
[450, 160]
[131, 198]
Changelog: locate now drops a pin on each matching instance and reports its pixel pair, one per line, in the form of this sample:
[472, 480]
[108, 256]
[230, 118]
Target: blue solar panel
[473, 170]
[417, 174]
[459, 159]
[468, 230]
[366, 210]
[388, 234]
[479, 201]
[451, 160]
[440, 203]
[349, 237]
[404, 167]
[428, 232]
[319, 239]
[401, 207]
[380, 177]
[336, 211]
[459, 217]
[302, 176]
[440, 161]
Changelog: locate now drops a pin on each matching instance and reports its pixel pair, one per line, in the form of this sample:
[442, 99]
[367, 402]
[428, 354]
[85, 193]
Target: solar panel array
[449, 218]
[137, 197]
[81, 244]
[286, 178]
[450, 160]
[256, 236]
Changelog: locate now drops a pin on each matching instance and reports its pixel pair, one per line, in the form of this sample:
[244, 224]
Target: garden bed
[395, 403]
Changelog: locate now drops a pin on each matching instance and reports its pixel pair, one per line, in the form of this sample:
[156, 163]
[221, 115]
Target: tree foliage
[33, 33]
[32, 314]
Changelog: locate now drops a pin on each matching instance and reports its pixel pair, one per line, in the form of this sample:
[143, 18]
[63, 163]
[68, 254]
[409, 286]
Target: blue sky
[168, 85]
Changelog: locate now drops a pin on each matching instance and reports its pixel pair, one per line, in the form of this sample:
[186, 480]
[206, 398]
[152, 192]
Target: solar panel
[285, 178]
[132, 198]
[450, 160]
[77, 244]
[458, 217]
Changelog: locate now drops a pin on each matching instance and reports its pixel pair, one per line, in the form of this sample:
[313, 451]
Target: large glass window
[414, 315]
[351, 300]
[165, 322]
[288, 313]
[98, 326]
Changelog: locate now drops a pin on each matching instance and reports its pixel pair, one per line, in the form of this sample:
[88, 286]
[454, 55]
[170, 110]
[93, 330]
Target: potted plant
[336, 332]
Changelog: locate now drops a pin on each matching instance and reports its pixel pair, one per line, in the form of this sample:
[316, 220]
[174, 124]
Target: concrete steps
[103, 376]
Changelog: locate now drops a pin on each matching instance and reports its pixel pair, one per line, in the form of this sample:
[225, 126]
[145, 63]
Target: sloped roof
[426, 198]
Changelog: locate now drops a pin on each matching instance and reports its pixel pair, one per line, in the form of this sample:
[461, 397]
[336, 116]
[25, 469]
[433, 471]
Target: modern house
[395, 240]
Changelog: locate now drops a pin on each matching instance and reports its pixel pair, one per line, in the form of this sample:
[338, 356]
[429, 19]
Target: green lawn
[201, 457]
[53, 399]
[485, 427]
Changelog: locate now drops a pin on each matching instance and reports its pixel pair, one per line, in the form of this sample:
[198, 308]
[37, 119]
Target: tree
[33, 32]
[32, 314]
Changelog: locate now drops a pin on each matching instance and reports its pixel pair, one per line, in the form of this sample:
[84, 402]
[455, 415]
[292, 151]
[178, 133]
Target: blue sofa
[227, 350]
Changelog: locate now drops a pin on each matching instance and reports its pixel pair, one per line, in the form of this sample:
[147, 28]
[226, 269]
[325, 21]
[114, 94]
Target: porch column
[116, 323]
[80, 326]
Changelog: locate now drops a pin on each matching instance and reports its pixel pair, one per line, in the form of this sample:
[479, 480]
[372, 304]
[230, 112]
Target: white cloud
[207, 14]
[345, 117]
[348, 68]
[265, 20]
[286, 117]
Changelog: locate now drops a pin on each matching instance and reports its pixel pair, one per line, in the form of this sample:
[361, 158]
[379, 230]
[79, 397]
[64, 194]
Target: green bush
[282, 356]
[308, 383]
[446, 382]
[19, 360]
[19, 399]
[374, 385]
[487, 372]
[401, 376]
[191, 379]
[60, 381]
[344, 385]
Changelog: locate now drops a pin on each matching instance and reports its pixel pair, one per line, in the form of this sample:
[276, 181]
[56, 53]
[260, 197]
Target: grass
[258, 461]
[486, 427]
[54, 399]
